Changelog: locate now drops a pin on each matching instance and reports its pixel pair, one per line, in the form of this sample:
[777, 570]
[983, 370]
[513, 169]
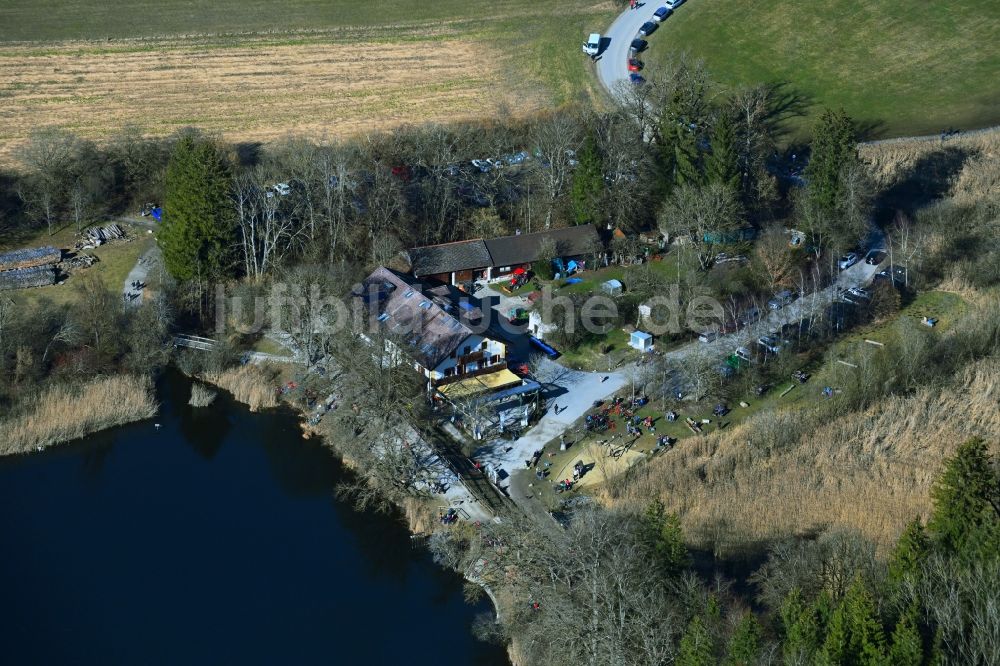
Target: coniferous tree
[198, 223]
[855, 634]
[804, 625]
[722, 164]
[695, 648]
[662, 535]
[966, 518]
[744, 646]
[907, 646]
[679, 154]
[909, 553]
[834, 148]
[587, 191]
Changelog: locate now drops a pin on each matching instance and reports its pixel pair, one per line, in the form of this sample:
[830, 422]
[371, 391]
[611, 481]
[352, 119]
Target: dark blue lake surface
[216, 539]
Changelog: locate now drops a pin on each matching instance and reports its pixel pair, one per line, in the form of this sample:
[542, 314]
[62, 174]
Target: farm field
[899, 68]
[253, 73]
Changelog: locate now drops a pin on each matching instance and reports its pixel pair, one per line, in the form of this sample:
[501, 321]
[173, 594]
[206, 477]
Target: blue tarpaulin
[549, 351]
[157, 213]
[574, 281]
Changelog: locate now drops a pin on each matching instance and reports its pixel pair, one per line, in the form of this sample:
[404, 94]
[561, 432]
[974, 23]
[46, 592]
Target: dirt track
[251, 89]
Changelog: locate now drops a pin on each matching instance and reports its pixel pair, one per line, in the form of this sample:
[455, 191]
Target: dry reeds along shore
[201, 395]
[67, 412]
[253, 385]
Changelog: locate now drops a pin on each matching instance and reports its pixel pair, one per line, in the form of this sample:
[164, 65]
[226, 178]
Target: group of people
[637, 423]
[136, 291]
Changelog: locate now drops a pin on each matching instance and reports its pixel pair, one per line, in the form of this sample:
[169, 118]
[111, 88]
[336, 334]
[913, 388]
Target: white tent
[612, 288]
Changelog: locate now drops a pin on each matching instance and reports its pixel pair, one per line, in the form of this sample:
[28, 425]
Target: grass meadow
[900, 68]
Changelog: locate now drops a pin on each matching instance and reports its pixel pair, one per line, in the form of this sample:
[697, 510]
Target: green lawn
[899, 67]
[941, 305]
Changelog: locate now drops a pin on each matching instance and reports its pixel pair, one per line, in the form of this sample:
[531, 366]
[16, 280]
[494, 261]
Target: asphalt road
[612, 68]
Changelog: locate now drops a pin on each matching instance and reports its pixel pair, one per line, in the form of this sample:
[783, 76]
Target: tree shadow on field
[869, 130]
[785, 103]
[927, 180]
[249, 153]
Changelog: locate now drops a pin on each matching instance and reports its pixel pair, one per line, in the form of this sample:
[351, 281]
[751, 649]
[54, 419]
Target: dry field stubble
[253, 88]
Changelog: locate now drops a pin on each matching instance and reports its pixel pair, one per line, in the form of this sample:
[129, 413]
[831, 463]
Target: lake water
[216, 539]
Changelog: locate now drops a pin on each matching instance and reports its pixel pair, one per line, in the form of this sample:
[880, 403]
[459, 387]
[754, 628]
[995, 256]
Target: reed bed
[969, 165]
[66, 412]
[770, 477]
[253, 385]
[201, 395]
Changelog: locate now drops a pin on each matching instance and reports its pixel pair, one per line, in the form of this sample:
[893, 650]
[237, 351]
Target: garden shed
[641, 340]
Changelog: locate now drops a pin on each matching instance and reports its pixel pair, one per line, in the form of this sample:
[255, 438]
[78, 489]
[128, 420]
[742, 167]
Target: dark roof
[523, 249]
[428, 321]
[506, 251]
[460, 256]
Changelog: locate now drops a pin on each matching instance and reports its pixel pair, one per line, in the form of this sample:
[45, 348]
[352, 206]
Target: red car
[634, 65]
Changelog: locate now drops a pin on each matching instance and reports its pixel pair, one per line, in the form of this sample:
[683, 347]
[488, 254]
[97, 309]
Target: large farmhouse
[434, 326]
[462, 263]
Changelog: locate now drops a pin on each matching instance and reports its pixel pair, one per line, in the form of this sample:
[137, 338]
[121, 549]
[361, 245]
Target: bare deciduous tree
[268, 226]
[696, 213]
[557, 138]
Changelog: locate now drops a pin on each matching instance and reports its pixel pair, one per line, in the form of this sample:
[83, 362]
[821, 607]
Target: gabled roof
[497, 252]
[523, 249]
[460, 256]
[429, 325]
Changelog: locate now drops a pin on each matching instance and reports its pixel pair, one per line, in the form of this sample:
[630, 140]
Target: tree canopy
[198, 224]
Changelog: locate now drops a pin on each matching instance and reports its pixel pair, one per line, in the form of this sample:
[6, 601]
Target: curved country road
[611, 64]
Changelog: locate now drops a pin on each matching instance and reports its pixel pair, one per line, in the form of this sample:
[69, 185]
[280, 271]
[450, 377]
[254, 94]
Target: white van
[593, 45]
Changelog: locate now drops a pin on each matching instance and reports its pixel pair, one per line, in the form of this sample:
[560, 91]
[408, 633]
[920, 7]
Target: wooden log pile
[22, 278]
[101, 235]
[29, 258]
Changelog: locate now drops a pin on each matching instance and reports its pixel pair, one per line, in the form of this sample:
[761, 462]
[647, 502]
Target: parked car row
[639, 44]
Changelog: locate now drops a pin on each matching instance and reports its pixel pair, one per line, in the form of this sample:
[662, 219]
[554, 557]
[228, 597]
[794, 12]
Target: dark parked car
[662, 13]
[636, 78]
[638, 45]
[781, 299]
[750, 316]
[648, 28]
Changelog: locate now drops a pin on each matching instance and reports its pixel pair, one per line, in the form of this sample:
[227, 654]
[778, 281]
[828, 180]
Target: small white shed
[641, 340]
[612, 288]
